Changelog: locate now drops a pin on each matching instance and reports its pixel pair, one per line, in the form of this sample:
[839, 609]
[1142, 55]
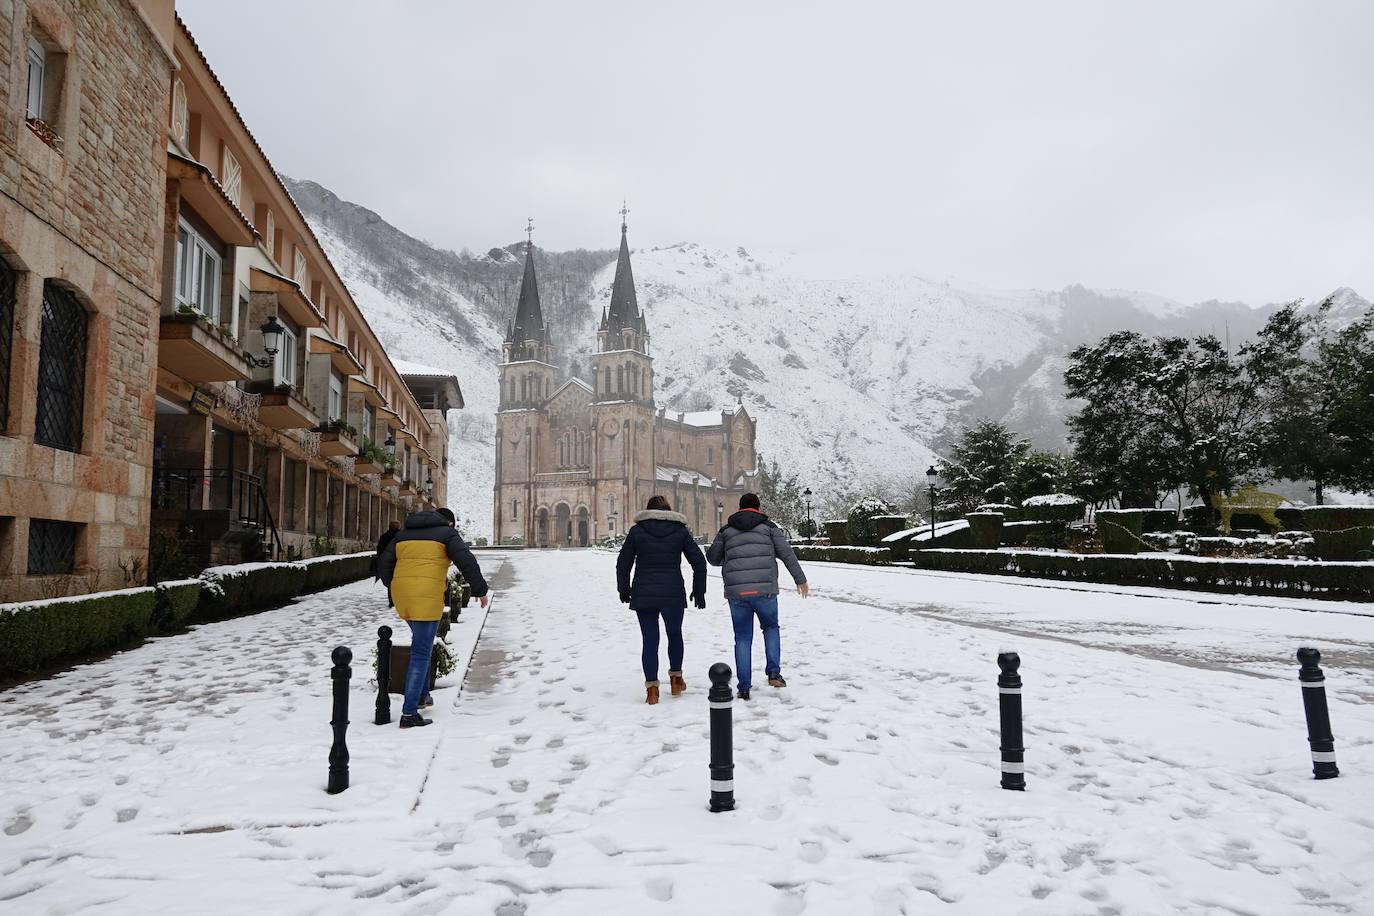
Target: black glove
[699, 601]
[624, 597]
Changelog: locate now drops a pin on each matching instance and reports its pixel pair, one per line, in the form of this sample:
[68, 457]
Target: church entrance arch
[562, 525]
[583, 536]
[541, 534]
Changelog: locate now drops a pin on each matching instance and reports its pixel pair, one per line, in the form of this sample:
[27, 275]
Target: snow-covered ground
[1167, 766]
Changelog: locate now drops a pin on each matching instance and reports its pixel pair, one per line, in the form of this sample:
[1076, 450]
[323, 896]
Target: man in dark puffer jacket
[747, 550]
[654, 548]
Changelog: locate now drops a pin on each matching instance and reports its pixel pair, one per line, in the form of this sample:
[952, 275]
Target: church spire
[528, 332]
[624, 310]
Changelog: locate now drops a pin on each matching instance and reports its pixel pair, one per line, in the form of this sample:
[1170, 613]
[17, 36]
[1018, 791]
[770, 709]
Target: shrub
[837, 531]
[1009, 512]
[1055, 507]
[328, 572]
[985, 530]
[1158, 520]
[1033, 534]
[860, 526]
[863, 556]
[1340, 532]
[231, 590]
[1120, 530]
[38, 633]
[1353, 581]
[175, 604]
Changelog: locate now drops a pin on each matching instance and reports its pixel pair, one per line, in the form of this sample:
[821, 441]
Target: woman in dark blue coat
[654, 548]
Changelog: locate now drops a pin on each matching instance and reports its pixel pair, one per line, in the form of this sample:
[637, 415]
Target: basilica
[577, 458]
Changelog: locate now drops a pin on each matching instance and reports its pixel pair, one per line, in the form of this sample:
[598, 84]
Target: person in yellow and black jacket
[414, 568]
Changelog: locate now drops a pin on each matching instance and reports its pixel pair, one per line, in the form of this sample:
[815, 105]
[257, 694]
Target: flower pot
[985, 530]
[400, 663]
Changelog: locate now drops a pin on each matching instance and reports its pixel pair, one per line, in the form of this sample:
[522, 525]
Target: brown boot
[676, 683]
[651, 688]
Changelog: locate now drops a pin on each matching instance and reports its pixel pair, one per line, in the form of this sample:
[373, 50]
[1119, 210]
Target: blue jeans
[648, 628]
[422, 634]
[742, 613]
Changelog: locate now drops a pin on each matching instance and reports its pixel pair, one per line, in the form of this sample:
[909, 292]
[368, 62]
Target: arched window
[563, 452]
[620, 379]
[710, 456]
[524, 388]
[514, 509]
[61, 370]
[9, 296]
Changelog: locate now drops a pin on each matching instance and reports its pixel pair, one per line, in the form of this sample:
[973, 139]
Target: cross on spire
[624, 212]
[529, 231]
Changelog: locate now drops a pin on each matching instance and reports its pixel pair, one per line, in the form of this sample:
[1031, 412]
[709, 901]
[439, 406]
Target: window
[61, 370]
[198, 270]
[270, 235]
[9, 294]
[38, 69]
[710, 456]
[514, 509]
[336, 396]
[52, 547]
[369, 421]
[284, 366]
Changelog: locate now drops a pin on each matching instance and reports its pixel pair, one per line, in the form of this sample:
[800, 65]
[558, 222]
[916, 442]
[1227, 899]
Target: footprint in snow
[660, 889]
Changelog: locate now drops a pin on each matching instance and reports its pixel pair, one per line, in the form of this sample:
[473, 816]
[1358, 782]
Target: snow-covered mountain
[852, 379]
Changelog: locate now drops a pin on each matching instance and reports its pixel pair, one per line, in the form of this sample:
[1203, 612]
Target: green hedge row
[1320, 580]
[37, 634]
[865, 556]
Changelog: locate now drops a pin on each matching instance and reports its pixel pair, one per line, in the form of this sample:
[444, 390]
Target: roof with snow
[667, 472]
[434, 389]
[705, 418]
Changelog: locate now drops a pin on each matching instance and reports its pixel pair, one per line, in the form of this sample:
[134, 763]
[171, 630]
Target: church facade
[577, 458]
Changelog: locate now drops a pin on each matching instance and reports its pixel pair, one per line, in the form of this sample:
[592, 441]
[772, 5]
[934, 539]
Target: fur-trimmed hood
[661, 516]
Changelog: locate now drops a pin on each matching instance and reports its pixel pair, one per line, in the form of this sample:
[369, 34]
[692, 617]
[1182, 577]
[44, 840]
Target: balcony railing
[239, 493]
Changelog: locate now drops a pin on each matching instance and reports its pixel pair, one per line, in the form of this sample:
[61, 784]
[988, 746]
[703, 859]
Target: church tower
[623, 466]
[528, 379]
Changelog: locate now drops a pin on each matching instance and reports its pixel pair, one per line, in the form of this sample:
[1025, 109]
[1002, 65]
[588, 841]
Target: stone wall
[86, 214]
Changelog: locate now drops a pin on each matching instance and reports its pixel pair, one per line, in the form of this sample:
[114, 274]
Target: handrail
[246, 496]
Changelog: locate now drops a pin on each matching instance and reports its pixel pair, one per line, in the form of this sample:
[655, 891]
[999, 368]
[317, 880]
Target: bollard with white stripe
[722, 741]
[1318, 720]
[1009, 697]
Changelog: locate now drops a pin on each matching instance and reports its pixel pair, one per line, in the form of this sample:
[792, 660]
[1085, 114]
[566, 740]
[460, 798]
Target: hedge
[1321, 580]
[232, 590]
[864, 556]
[330, 572]
[36, 634]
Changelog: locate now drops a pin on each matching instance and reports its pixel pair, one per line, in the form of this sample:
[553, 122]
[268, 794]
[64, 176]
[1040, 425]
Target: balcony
[365, 465]
[285, 409]
[407, 488]
[390, 478]
[337, 443]
[193, 349]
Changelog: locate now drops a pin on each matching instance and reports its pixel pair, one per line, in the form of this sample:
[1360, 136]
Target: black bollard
[1318, 719]
[1013, 749]
[383, 676]
[722, 741]
[338, 754]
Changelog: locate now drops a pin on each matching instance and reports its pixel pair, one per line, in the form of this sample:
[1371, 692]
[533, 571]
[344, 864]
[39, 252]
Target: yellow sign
[203, 401]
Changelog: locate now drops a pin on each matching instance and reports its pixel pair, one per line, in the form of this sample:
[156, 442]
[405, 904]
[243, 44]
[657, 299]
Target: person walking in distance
[748, 549]
[414, 567]
[654, 548]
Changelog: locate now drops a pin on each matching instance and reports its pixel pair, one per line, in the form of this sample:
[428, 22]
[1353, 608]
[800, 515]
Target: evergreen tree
[1319, 429]
[979, 466]
[1168, 411]
[781, 495]
[1043, 473]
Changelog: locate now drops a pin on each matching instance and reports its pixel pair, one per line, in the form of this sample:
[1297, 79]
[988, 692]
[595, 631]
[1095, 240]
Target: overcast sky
[1195, 149]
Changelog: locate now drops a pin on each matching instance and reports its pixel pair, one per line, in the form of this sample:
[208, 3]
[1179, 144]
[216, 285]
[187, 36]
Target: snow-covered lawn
[1167, 765]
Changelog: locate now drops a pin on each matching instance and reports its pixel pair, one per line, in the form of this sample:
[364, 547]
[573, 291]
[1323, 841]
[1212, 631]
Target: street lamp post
[810, 523]
[720, 515]
[932, 475]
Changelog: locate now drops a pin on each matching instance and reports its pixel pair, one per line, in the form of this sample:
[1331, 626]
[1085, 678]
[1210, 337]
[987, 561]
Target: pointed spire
[529, 318]
[624, 310]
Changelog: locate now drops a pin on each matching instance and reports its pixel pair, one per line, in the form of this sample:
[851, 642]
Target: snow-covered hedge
[1266, 577]
[229, 591]
[1052, 507]
[864, 556]
[329, 572]
[35, 634]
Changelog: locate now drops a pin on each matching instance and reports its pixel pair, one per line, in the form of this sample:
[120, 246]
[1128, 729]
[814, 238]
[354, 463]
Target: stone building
[178, 358]
[577, 458]
[82, 115]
